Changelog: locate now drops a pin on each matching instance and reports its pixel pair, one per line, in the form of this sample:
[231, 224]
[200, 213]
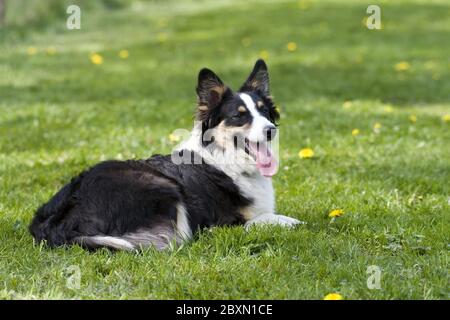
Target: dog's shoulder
[195, 172]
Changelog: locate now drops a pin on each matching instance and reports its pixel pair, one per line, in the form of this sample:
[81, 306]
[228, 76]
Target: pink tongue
[265, 162]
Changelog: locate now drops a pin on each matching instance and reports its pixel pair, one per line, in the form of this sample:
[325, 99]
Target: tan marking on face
[242, 109]
[203, 108]
[220, 134]
[224, 135]
[246, 126]
[260, 104]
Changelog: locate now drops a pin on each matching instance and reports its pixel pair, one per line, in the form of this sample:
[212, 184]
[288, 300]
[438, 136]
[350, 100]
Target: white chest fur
[260, 190]
[252, 184]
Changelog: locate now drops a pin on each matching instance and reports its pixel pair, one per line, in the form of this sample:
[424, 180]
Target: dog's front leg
[273, 219]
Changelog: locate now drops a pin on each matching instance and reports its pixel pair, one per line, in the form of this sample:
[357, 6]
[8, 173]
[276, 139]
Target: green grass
[60, 114]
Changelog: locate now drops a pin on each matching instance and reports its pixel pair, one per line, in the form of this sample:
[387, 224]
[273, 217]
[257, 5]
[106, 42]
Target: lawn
[60, 113]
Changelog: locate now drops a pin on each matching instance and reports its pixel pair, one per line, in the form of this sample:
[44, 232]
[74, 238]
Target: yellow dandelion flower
[291, 46]
[96, 58]
[278, 108]
[359, 59]
[264, 54]
[333, 296]
[355, 132]
[303, 4]
[402, 66]
[174, 137]
[347, 104]
[306, 153]
[413, 118]
[336, 213]
[446, 118]
[388, 109]
[364, 22]
[123, 54]
[31, 51]
[163, 22]
[246, 41]
[377, 126]
[162, 37]
[51, 51]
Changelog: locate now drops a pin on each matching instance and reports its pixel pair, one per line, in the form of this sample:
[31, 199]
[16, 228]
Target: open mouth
[265, 161]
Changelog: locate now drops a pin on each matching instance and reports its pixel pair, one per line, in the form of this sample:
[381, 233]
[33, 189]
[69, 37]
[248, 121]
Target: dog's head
[244, 120]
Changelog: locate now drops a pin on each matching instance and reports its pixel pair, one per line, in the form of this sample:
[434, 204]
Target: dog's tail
[159, 236]
[95, 242]
[47, 221]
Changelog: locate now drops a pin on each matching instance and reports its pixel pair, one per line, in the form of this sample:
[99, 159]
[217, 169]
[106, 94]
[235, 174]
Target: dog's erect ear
[258, 80]
[210, 91]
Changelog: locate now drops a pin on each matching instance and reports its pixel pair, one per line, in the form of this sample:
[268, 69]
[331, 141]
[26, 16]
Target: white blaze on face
[265, 162]
[257, 132]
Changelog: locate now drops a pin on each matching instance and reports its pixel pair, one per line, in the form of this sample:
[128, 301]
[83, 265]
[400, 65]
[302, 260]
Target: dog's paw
[288, 221]
[274, 219]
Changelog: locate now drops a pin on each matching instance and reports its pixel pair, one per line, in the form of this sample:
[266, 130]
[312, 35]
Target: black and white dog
[220, 176]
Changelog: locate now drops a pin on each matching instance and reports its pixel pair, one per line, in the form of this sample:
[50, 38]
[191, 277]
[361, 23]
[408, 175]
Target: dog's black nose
[270, 132]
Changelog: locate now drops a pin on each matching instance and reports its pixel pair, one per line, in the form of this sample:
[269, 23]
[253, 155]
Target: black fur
[117, 197]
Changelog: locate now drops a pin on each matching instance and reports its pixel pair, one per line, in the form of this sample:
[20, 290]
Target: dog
[221, 175]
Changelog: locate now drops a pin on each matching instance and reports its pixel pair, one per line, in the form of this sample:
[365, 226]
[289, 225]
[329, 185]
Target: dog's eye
[236, 116]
